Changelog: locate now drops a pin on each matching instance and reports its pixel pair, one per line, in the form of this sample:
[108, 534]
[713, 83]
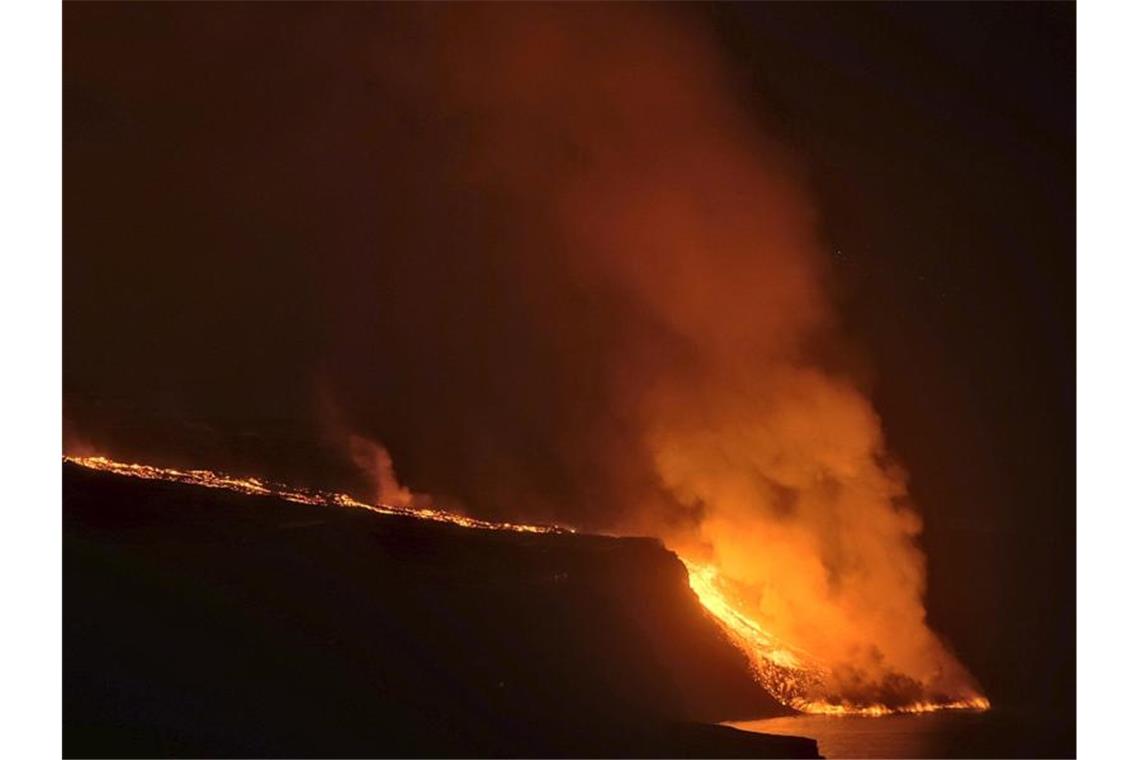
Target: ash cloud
[543, 258]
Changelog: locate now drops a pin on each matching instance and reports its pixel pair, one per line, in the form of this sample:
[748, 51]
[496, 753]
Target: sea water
[946, 734]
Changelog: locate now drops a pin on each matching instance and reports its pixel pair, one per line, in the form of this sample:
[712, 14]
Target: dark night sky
[225, 166]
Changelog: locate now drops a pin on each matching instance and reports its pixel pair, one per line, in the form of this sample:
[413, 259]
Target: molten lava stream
[791, 675]
[788, 674]
[258, 487]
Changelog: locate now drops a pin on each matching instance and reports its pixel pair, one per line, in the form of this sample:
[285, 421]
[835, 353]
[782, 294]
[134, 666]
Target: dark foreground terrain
[206, 623]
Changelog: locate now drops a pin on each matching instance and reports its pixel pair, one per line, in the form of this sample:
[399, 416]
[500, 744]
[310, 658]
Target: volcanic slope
[210, 623]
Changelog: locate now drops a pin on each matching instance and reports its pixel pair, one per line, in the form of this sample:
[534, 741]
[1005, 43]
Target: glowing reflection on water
[954, 734]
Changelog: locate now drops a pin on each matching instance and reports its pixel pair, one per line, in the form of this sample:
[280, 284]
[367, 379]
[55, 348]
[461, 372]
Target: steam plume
[718, 430]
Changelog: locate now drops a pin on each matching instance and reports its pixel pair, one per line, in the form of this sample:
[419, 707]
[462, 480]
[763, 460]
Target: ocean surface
[950, 734]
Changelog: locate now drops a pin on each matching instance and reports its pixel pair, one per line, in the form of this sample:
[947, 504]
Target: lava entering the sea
[791, 675]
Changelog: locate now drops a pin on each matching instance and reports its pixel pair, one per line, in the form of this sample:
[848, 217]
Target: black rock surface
[200, 622]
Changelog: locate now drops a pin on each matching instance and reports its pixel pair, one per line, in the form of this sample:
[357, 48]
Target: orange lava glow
[790, 675]
[259, 487]
[793, 676]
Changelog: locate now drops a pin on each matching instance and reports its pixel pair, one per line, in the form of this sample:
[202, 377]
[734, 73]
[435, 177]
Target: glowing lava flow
[258, 487]
[787, 673]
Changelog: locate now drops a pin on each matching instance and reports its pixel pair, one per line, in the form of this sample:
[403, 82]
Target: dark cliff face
[208, 623]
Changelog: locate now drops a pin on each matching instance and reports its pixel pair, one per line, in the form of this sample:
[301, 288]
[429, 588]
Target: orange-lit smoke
[374, 460]
[625, 133]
